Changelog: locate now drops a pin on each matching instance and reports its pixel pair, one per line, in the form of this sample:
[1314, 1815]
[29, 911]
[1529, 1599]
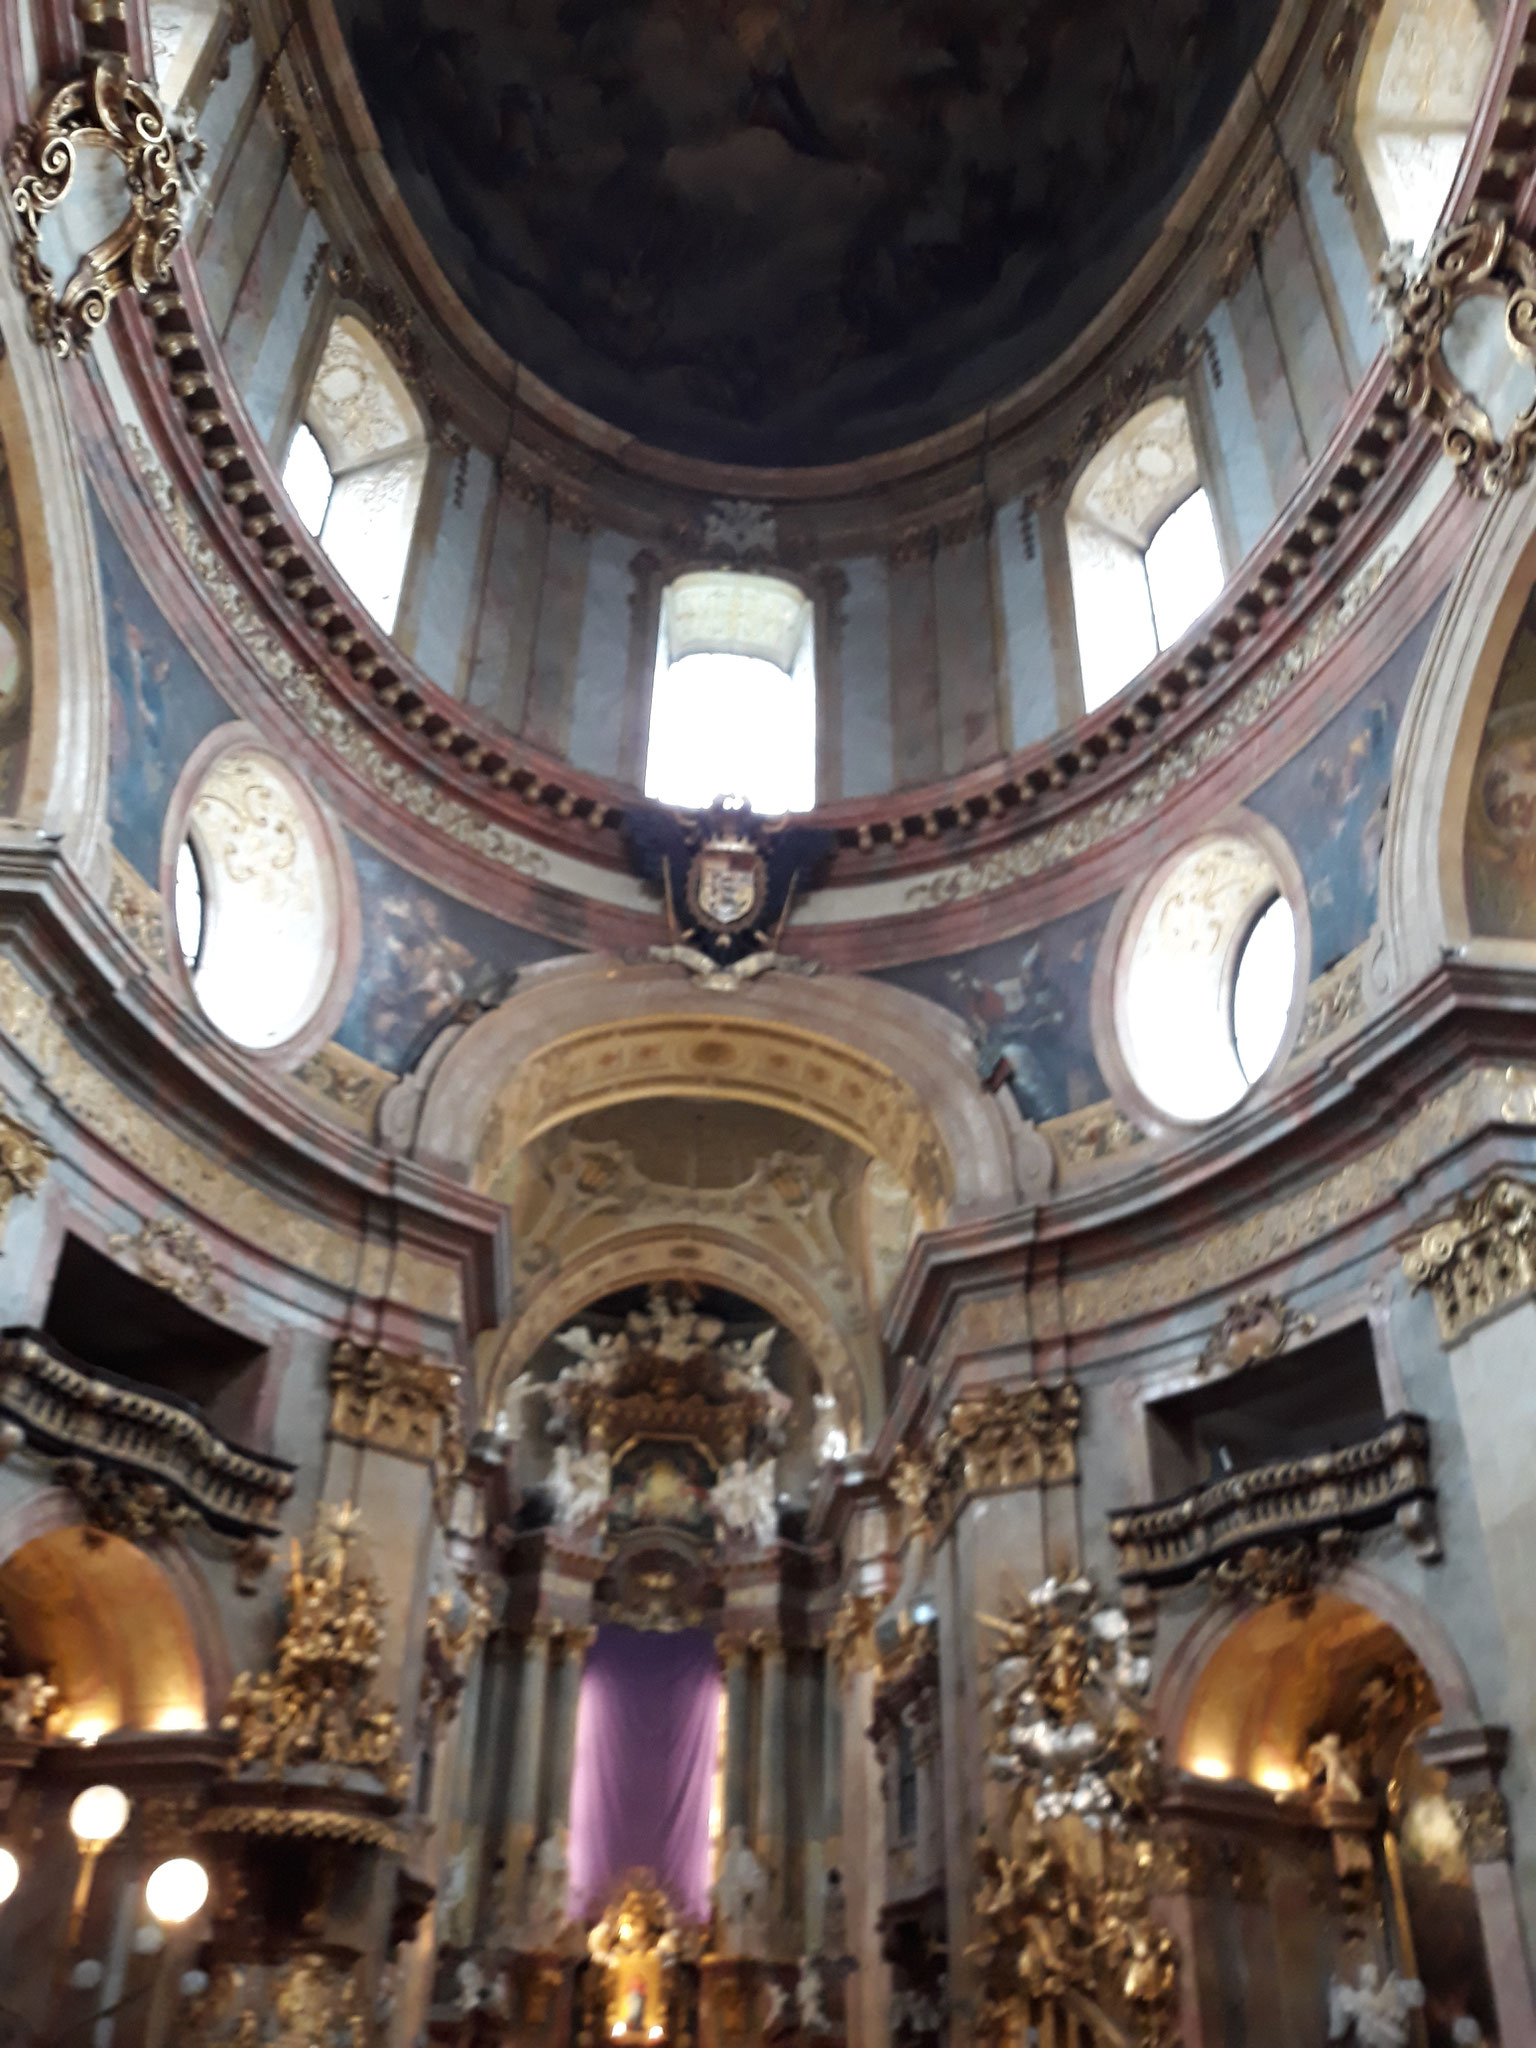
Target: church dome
[792, 234]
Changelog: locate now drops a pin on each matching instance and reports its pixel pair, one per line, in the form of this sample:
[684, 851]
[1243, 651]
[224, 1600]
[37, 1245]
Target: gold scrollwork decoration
[103, 109]
[1482, 258]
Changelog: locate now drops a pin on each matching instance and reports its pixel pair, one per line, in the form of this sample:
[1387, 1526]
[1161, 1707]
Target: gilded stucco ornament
[104, 109]
[315, 1704]
[170, 1255]
[458, 1621]
[1256, 1327]
[1483, 1820]
[851, 1635]
[406, 1406]
[1005, 1438]
[1481, 259]
[1480, 1258]
[1066, 1872]
[23, 1163]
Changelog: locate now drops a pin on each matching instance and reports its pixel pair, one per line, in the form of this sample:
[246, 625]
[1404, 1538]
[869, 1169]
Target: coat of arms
[729, 880]
[726, 882]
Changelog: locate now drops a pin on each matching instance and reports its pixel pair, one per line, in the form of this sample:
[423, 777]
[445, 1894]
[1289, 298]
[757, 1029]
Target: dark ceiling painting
[793, 233]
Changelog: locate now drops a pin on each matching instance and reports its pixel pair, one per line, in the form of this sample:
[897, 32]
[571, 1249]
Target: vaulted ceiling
[793, 232]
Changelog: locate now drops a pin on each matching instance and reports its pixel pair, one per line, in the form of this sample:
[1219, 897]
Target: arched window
[1419, 88]
[734, 707]
[1143, 549]
[356, 464]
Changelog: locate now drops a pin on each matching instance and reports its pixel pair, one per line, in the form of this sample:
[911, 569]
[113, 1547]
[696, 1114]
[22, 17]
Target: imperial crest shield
[726, 884]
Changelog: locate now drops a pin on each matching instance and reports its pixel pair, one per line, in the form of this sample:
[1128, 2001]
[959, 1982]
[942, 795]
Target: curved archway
[104, 1622]
[705, 1256]
[1194, 1656]
[1423, 895]
[891, 1072]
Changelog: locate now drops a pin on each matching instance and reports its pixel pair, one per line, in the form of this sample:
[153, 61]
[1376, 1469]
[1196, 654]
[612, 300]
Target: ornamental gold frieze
[1483, 1098]
[146, 1440]
[1383, 1480]
[1480, 1259]
[1000, 1440]
[199, 1181]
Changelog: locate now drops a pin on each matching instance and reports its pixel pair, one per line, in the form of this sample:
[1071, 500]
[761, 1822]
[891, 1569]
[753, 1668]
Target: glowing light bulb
[1209, 1767]
[10, 1874]
[655, 2034]
[88, 1732]
[99, 1815]
[176, 1890]
[618, 2030]
[174, 1719]
[1275, 1778]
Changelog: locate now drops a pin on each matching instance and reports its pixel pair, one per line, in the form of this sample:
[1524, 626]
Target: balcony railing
[1379, 1480]
[123, 1431]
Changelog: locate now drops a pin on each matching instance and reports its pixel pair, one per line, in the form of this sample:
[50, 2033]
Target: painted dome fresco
[793, 233]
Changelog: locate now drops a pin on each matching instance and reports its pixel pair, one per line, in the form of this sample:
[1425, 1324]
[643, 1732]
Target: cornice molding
[132, 1068]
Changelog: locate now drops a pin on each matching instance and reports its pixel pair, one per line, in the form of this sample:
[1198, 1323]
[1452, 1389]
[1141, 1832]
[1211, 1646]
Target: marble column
[565, 1696]
[769, 1820]
[738, 1714]
[527, 1761]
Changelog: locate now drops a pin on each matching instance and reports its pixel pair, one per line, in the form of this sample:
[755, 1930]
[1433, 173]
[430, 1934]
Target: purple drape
[645, 1763]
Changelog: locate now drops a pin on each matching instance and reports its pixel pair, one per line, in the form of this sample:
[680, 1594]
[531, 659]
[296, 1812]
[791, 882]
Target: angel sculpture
[512, 1415]
[597, 1358]
[778, 2019]
[810, 1998]
[829, 1438]
[740, 1895]
[579, 1484]
[674, 1333]
[746, 1372]
[1371, 2013]
[744, 1498]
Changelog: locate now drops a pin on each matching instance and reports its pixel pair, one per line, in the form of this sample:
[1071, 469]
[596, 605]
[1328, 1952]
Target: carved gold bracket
[406, 1406]
[1480, 259]
[104, 109]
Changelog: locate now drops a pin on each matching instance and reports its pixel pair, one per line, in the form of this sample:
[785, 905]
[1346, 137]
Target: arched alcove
[893, 1073]
[103, 1622]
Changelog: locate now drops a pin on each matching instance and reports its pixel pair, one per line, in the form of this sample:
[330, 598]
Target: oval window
[1262, 989]
[1207, 980]
[255, 902]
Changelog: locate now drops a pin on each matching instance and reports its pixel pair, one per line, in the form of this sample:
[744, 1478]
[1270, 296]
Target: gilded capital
[1480, 1258]
[1007, 1437]
[851, 1636]
[406, 1406]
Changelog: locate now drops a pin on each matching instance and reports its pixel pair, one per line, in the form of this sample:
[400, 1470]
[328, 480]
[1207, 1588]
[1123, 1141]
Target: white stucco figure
[1373, 2013]
[597, 1358]
[741, 1899]
[810, 1998]
[745, 1497]
[548, 1884]
[829, 1439]
[578, 1484]
[512, 1414]
[746, 1372]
